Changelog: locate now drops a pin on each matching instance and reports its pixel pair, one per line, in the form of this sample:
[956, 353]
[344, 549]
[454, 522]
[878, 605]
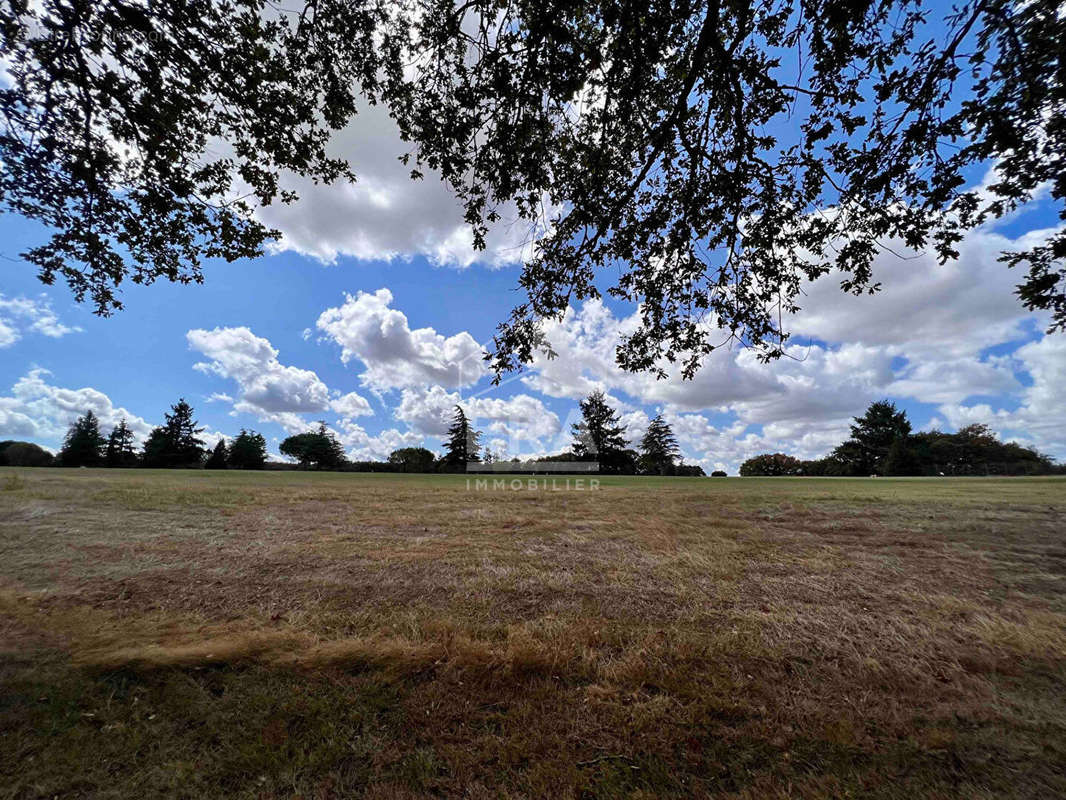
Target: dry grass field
[195, 634]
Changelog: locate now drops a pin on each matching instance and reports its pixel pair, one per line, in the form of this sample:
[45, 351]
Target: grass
[195, 634]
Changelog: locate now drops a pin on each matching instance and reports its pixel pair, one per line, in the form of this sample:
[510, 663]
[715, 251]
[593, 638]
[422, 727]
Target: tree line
[599, 436]
[882, 443]
[176, 443]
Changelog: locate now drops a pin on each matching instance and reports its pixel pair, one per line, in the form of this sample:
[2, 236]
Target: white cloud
[351, 405]
[812, 383]
[41, 411]
[19, 315]
[268, 389]
[937, 310]
[522, 420]
[428, 411]
[363, 446]
[953, 380]
[395, 356]
[385, 214]
[1038, 419]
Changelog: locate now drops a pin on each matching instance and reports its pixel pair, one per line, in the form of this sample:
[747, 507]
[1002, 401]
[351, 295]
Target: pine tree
[248, 451]
[175, 443]
[599, 434]
[659, 448]
[463, 444]
[120, 446]
[875, 431]
[219, 456]
[329, 451]
[83, 445]
[183, 430]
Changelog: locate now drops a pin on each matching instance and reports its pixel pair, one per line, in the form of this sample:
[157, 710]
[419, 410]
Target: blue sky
[381, 348]
[373, 310]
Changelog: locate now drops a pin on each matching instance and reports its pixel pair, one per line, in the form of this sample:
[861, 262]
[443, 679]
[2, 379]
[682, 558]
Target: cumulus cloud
[39, 410]
[520, 420]
[395, 356]
[937, 310]
[385, 214]
[19, 315]
[351, 405]
[1038, 418]
[812, 383]
[363, 446]
[268, 389]
[726, 446]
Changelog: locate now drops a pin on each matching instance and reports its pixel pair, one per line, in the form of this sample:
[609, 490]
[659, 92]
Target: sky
[372, 312]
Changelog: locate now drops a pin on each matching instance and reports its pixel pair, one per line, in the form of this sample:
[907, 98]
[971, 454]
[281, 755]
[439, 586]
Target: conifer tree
[248, 451]
[120, 446]
[219, 456]
[463, 444]
[175, 443]
[659, 448]
[83, 445]
[874, 432]
[600, 434]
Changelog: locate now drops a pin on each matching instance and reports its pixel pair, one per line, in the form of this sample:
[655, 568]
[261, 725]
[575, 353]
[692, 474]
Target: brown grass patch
[339, 635]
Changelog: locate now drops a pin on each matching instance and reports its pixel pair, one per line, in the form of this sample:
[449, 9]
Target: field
[196, 634]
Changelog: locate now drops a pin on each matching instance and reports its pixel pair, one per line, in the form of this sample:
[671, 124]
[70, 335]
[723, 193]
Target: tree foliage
[412, 459]
[247, 451]
[144, 135]
[463, 445]
[658, 448]
[770, 464]
[318, 448]
[120, 452]
[600, 436]
[83, 445]
[872, 436]
[600, 433]
[176, 443]
[24, 454]
[882, 443]
[219, 458]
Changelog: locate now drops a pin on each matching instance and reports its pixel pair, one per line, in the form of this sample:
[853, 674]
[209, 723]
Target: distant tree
[690, 471]
[247, 450]
[873, 434]
[902, 458]
[318, 448]
[175, 443]
[620, 462]
[718, 474]
[600, 434]
[882, 443]
[658, 448]
[463, 443]
[770, 464]
[976, 450]
[847, 459]
[24, 454]
[219, 458]
[412, 459]
[120, 452]
[83, 445]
